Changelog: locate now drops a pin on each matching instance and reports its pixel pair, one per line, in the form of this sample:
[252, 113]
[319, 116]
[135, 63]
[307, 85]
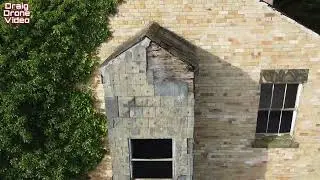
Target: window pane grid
[281, 114]
[284, 99]
[270, 107]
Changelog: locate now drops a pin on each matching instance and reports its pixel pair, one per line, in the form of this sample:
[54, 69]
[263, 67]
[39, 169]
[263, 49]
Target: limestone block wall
[149, 95]
[237, 39]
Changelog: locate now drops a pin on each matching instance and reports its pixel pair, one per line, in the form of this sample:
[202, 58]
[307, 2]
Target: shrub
[49, 128]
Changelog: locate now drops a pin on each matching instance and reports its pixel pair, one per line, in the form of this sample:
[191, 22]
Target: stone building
[149, 83]
[213, 90]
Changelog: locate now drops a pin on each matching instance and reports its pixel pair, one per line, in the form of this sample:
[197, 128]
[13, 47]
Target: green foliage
[49, 128]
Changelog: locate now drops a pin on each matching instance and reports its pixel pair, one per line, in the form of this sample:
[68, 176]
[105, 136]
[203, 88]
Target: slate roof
[168, 40]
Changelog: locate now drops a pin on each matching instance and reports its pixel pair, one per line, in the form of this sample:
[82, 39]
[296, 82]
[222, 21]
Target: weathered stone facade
[236, 40]
[149, 95]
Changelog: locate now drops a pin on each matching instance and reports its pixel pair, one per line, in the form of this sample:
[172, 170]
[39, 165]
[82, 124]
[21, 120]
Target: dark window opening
[151, 158]
[262, 121]
[291, 95]
[152, 169]
[274, 120]
[265, 95]
[278, 94]
[286, 121]
[276, 108]
[151, 148]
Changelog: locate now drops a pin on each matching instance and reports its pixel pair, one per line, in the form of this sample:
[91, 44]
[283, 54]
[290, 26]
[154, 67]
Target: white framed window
[151, 158]
[278, 108]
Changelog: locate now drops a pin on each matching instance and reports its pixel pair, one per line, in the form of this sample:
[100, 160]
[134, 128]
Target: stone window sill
[274, 141]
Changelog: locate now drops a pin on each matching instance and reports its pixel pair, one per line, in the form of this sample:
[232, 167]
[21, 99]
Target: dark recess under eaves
[305, 12]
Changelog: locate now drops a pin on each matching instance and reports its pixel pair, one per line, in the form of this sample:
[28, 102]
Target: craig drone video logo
[16, 13]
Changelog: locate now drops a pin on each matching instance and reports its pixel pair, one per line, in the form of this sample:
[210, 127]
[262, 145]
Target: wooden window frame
[294, 110]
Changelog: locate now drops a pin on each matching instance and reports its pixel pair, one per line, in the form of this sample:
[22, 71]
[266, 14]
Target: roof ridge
[173, 43]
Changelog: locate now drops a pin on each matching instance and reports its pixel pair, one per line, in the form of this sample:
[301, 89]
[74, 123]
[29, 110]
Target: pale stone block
[111, 107]
[131, 79]
[147, 90]
[123, 88]
[145, 42]
[149, 112]
[142, 67]
[141, 101]
[136, 112]
[190, 111]
[114, 77]
[190, 121]
[139, 53]
[134, 131]
[139, 78]
[124, 77]
[132, 67]
[142, 122]
[189, 132]
[180, 100]
[124, 104]
[150, 77]
[126, 101]
[108, 90]
[171, 89]
[131, 91]
[117, 90]
[123, 111]
[167, 101]
[190, 99]
[128, 56]
[137, 91]
[154, 101]
[159, 112]
[118, 123]
[183, 121]
[106, 78]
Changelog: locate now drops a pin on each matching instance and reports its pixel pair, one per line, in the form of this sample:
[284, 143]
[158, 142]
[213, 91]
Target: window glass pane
[278, 93]
[274, 120]
[291, 95]
[152, 169]
[265, 95]
[286, 121]
[262, 122]
[151, 148]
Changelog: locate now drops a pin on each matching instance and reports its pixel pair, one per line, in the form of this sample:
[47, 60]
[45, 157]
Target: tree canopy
[306, 12]
[49, 128]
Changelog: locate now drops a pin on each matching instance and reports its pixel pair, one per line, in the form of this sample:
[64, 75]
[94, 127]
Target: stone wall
[236, 39]
[149, 95]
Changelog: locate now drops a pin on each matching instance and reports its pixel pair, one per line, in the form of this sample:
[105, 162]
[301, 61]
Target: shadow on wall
[226, 104]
